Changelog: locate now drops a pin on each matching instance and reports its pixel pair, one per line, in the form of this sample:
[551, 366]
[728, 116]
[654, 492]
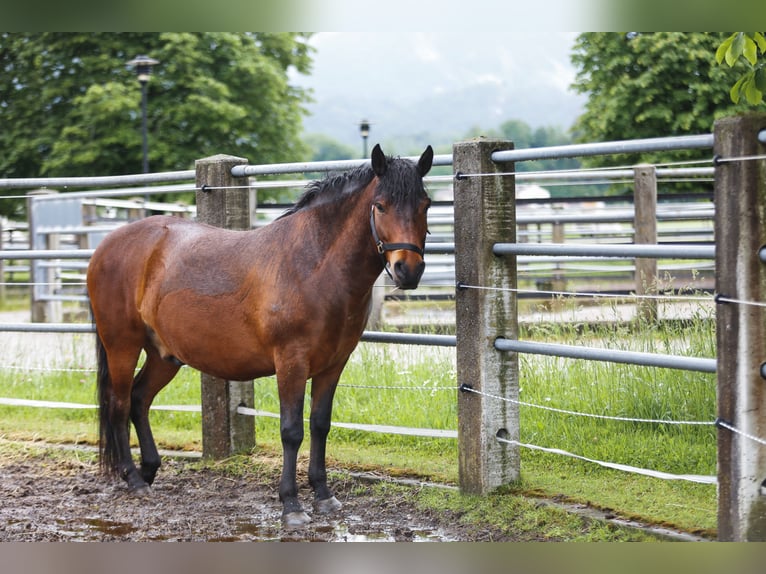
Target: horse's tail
[107, 447]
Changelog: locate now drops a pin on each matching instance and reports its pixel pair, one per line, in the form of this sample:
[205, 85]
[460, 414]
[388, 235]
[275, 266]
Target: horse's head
[398, 215]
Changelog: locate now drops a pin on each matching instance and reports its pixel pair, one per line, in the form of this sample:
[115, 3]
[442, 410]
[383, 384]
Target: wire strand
[583, 169]
[718, 160]
[617, 466]
[721, 299]
[589, 415]
[717, 298]
[740, 432]
[690, 298]
[714, 161]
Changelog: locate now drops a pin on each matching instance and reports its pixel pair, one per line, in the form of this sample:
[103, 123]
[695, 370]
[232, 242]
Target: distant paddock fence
[487, 256]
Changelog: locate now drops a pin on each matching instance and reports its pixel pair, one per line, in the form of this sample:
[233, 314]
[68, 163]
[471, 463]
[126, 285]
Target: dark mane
[402, 185]
[396, 185]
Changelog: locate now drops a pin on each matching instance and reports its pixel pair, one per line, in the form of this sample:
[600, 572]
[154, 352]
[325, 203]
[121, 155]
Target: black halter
[383, 247]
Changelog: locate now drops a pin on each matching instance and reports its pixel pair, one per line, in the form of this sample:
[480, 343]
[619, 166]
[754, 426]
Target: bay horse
[291, 299]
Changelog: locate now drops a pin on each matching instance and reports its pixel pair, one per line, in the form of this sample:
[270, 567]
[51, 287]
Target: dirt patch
[57, 498]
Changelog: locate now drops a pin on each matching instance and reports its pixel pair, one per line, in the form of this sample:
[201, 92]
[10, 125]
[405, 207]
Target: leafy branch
[751, 47]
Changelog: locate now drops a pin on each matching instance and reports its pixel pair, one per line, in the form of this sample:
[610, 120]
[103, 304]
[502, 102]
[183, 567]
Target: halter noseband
[383, 247]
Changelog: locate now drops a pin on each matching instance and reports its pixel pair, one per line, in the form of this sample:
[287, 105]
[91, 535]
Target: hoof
[295, 519]
[327, 506]
[144, 491]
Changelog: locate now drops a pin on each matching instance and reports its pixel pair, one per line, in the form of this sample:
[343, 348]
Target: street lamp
[143, 67]
[364, 129]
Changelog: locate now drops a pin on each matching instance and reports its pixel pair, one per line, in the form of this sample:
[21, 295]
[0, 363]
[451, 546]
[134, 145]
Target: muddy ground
[58, 498]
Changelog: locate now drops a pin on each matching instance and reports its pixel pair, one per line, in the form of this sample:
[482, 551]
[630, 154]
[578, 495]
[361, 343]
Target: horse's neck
[345, 235]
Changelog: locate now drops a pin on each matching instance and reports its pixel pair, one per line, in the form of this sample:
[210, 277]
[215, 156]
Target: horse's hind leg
[115, 393]
[153, 376]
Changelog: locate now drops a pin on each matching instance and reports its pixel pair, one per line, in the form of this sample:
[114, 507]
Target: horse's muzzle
[407, 276]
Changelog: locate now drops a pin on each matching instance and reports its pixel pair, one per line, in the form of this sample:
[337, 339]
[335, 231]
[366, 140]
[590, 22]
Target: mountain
[434, 88]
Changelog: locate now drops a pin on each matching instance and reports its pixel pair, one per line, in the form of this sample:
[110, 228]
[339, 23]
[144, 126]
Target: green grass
[415, 387]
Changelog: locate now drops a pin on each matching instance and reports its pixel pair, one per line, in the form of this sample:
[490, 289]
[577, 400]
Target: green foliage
[325, 148]
[644, 85]
[748, 47]
[525, 136]
[70, 105]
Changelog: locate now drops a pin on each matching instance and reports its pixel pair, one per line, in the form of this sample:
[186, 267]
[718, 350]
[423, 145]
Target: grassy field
[415, 387]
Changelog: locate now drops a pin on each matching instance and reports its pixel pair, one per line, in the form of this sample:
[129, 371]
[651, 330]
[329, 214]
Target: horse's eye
[380, 208]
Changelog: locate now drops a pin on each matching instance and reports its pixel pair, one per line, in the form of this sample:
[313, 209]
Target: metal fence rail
[97, 181]
[702, 365]
[626, 251]
[704, 141]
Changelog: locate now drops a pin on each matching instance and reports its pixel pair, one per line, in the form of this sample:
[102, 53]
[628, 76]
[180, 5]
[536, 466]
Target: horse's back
[121, 264]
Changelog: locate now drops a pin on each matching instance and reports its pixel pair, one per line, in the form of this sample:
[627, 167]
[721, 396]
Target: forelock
[402, 185]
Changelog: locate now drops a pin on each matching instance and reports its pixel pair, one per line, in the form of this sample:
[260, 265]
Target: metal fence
[488, 333]
[486, 271]
[60, 223]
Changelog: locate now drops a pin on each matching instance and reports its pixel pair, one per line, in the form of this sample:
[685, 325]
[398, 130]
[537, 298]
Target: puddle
[109, 527]
[349, 530]
[352, 529]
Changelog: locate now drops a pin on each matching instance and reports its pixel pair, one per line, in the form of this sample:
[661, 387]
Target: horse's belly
[231, 371]
[213, 338]
[225, 361]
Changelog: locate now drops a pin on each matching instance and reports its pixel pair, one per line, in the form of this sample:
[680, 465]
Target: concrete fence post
[485, 214]
[645, 232]
[740, 231]
[224, 430]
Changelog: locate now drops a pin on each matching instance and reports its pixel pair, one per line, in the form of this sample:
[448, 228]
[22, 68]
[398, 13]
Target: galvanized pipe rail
[704, 141]
[421, 339]
[702, 365]
[97, 181]
[628, 251]
[46, 253]
[317, 166]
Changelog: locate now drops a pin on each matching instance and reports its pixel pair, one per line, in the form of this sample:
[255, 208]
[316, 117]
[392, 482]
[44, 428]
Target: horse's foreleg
[322, 393]
[292, 387]
[154, 375]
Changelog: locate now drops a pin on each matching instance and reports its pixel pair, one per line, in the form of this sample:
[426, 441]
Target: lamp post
[143, 67]
[364, 129]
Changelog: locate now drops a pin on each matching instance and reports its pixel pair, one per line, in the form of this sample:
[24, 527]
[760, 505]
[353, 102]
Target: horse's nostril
[408, 274]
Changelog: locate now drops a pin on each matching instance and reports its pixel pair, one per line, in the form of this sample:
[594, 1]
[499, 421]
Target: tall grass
[416, 387]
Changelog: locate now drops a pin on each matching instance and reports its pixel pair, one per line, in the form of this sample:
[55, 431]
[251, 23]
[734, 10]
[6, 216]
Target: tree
[69, 104]
[650, 85]
[325, 148]
[748, 47]
[524, 136]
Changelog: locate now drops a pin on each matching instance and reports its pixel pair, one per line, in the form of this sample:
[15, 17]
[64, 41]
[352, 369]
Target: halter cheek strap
[383, 247]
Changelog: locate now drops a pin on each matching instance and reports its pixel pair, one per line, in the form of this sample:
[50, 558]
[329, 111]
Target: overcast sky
[430, 62]
[374, 73]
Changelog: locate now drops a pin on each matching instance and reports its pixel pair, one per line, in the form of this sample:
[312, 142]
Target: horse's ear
[425, 161]
[378, 161]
